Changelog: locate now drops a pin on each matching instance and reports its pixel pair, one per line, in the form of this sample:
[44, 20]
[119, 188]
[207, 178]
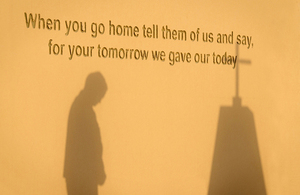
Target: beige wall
[158, 122]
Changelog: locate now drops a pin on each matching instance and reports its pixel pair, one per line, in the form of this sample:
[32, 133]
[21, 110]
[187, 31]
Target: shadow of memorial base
[236, 167]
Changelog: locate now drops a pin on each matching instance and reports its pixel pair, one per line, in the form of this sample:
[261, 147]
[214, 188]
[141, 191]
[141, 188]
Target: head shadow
[95, 88]
[83, 166]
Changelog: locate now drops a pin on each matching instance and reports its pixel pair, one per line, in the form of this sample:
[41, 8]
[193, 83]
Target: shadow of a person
[83, 167]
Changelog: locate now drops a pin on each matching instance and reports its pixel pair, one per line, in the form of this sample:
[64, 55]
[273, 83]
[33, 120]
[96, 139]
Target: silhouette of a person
[83, 168]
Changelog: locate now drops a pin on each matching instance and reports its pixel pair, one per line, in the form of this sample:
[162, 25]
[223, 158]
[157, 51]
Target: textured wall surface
[159, 128]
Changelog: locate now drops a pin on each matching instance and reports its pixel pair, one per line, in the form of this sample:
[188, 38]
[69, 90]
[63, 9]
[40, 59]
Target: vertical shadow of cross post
[236, 167]
[83, 168]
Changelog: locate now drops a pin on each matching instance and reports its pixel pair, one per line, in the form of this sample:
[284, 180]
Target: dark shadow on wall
[236, 167]
[83, 168]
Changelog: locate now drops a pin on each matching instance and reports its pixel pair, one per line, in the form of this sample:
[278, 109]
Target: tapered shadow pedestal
[236, 168]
